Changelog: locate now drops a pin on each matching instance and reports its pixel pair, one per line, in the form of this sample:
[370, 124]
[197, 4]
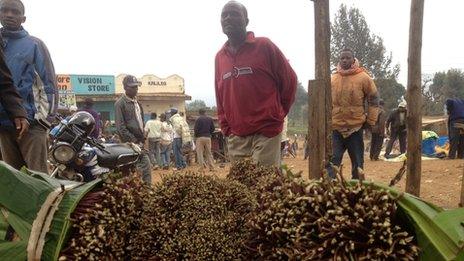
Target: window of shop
[104, 116]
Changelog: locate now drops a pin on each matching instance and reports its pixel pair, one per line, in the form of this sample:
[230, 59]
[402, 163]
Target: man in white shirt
[153, 131]
[165, 142]
[177, 122]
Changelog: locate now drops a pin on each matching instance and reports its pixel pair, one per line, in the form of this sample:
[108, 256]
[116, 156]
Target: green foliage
[196, 105]
[444, 85]
[350, 30]
[391, 92]
[299, 111]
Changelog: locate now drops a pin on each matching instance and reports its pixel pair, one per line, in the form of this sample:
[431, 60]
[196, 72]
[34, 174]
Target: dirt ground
[440, 182]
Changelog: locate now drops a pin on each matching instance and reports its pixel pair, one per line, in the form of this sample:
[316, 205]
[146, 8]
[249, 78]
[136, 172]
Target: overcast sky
[165, 37]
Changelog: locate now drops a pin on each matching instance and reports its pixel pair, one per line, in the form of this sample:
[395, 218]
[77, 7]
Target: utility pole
[319, 90]
[461, 203]
[414, 99]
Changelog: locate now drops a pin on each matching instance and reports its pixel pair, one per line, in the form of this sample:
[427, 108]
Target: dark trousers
[456, 141]
[355, 146]
[401, 135]
[154, 151]
[376, 145]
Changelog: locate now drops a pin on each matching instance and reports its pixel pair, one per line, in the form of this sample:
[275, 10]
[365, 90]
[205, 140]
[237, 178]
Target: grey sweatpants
[144, 167]
[31, 151]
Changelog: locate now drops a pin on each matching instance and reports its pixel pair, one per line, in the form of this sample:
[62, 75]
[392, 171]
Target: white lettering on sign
[164, 83]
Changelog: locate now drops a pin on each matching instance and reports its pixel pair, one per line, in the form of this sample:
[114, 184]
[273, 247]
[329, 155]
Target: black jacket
[204, 126]
[379, 127]
[393, 121]
[126, 121]
[9, 97]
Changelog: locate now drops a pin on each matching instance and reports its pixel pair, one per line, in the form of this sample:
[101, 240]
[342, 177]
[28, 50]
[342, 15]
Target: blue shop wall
[105, 108]
[146, 117]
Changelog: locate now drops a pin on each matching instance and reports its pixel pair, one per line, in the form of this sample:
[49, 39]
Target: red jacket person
[255, 88]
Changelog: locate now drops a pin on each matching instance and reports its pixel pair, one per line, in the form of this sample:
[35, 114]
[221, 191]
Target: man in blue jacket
[34, 77]
[455, 109]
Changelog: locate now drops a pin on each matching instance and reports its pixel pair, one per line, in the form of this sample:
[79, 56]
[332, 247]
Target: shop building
[156, 94]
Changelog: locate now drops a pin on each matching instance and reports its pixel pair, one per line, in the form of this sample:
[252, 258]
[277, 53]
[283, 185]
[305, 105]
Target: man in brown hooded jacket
[352, 87]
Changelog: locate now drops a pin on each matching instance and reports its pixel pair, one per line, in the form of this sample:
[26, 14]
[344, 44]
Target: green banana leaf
[22, 194]
[61, 225]
[13, 251]
[439, 233]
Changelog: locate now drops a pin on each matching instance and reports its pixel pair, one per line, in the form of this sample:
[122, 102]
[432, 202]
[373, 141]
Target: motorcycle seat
[116, 155]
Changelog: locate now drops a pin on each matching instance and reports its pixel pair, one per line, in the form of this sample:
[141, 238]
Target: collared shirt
[153, 127]
[255, 88]
[166, 133]
[128, 115]
[176, 121]
[138, 111]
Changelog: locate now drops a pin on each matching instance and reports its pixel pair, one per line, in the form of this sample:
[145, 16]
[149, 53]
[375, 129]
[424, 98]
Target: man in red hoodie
[255, 88]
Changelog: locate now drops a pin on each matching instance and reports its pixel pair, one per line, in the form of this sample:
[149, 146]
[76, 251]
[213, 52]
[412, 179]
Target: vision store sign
[86, 84]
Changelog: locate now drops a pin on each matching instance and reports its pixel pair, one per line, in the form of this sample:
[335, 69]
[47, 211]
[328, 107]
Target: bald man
[255, 88]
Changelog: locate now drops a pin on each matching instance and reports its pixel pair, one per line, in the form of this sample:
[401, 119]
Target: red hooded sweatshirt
[255, 88]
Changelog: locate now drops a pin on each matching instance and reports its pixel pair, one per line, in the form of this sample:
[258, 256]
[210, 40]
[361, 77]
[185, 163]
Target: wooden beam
[317, 131]
[320, 95]
[461, 203]
[414, 99]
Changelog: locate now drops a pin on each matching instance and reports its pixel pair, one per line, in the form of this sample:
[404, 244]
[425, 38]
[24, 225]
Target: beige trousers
[261, 149]
[203, 146]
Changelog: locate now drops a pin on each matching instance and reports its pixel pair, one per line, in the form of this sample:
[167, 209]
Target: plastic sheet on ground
[402, 158]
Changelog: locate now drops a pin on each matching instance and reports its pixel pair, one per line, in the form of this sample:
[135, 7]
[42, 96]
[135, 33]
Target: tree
[196, 105]
[444, 85]
[453, 86]
[350, 30]
[296, 113]
[391, 92]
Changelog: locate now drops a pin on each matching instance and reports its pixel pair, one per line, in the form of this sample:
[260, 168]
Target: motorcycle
[74, 155]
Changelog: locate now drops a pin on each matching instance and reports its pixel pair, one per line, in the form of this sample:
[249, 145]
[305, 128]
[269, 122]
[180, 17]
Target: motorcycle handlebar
[91, 141]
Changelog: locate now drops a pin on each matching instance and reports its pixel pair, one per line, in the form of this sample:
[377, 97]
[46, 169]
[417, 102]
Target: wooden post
[414, 99]
[461, 204]
[319, 94]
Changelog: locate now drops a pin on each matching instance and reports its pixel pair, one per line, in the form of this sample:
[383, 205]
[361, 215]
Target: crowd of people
[29, 99]
[255, 87]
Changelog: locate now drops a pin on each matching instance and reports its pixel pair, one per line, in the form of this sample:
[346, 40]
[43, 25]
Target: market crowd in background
[255, 88]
